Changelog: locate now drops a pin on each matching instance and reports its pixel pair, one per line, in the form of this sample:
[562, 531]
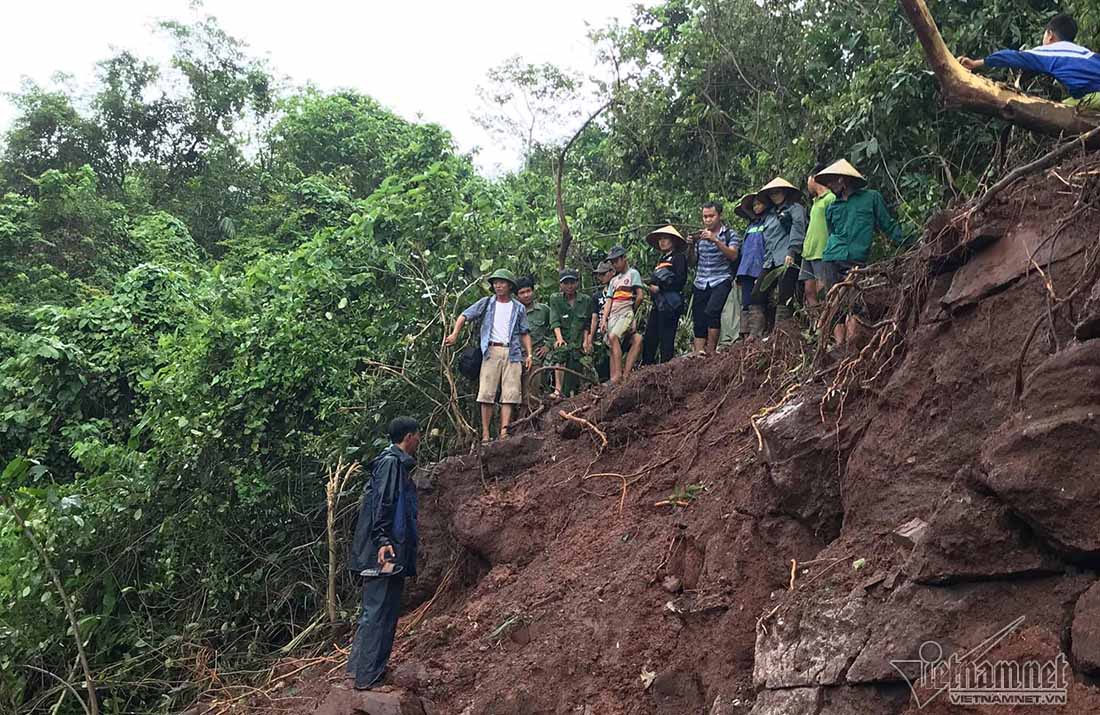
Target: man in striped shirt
[714, 252]
[1076, 67]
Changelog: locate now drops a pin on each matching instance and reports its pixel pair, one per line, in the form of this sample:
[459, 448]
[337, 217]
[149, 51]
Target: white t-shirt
[502, 323]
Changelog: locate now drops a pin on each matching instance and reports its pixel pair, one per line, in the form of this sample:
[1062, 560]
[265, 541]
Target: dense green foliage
[208, 294]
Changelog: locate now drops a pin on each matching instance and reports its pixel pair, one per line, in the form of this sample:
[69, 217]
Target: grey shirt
[784, 233]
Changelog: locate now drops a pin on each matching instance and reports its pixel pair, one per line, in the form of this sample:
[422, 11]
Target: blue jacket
[752, 250]
[387, 513]
[1077, 67]
[483, 310]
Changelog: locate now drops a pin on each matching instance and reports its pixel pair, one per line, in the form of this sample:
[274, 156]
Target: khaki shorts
[499, 374]
[619, 325]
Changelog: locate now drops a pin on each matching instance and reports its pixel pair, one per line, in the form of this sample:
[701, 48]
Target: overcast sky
[419, 57]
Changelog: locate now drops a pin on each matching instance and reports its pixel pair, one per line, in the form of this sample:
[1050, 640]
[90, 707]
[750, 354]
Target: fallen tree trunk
[963, 89]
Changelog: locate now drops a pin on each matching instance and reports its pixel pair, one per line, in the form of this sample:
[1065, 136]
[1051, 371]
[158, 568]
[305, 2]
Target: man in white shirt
[504, 330]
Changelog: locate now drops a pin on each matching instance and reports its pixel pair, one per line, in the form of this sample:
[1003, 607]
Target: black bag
[469, 360]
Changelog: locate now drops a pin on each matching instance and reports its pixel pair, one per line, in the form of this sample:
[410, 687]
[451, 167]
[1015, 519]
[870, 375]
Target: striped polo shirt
[713, 267]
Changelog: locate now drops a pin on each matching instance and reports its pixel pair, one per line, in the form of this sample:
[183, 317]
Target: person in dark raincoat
[383, 550]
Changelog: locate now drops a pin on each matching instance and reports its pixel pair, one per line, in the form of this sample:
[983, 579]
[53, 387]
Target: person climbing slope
[1076, 67]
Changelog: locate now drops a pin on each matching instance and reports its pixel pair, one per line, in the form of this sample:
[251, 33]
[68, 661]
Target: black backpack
[469, 360]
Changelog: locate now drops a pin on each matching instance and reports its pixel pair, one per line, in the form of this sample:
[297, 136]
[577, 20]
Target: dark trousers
[660, 333]
[746, 284]
[782, 291]
[377, 625]
[707, 305]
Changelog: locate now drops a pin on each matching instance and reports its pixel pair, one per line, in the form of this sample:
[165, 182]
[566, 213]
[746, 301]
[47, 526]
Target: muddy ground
[567, 588]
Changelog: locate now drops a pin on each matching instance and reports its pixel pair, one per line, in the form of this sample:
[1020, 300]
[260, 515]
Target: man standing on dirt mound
[620, 314]
[505, 340]
[714, 254]
[784, 233]
[383, 551]
[851, 219]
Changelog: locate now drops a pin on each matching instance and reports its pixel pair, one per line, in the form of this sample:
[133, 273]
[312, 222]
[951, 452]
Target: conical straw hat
[669, 231]
[841, 168]
[779, 183]
[744, 207]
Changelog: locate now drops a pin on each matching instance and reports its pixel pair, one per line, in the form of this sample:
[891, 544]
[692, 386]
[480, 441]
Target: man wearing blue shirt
[1076, 67]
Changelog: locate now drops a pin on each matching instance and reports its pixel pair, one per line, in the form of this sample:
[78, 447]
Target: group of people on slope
[783, 246]
[825, 244]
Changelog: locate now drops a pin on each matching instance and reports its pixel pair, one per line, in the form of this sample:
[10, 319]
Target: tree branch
[964, 90]
[559, 170]
[93, 701]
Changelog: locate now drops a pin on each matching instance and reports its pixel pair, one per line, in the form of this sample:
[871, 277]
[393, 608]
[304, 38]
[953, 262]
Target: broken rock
[1088, 327]
[964, 532]
[1086, 631]
[812, 644]
[1043, 462]
[348, 701]
[911, 532]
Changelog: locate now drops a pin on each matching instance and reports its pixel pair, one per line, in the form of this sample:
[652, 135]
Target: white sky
[418, 57]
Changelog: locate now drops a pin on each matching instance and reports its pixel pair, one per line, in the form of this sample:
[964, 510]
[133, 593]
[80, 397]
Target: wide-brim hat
[670, 232]
[840, 168]
[778, 183]
[616, 252]
[502, 274]
[603, 267]
[744, 207]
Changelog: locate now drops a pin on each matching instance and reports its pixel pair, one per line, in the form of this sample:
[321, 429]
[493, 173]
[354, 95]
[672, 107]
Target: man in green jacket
[570, 312]
[852, 219]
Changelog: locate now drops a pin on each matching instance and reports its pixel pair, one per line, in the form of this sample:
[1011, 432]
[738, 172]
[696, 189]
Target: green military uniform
[573, 321]
[538, 319]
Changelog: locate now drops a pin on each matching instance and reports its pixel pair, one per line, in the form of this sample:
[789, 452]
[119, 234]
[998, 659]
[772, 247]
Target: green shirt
[852, 224]
[538, 319]
[817, 233]
[573, 320]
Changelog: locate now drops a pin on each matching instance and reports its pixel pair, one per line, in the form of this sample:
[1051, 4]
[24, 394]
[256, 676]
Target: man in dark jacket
[383, 551]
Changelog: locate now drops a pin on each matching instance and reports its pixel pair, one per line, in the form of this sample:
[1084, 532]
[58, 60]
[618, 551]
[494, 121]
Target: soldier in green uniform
[570, 315]
[538, 318]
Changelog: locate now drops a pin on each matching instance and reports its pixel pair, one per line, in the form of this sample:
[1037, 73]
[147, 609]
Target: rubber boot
[784, 321]
[746, 319]
[757, 321]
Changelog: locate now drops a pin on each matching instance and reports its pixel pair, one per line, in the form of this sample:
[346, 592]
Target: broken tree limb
[1043, 162]
[581, 421]
[559, 171]
[963, 89]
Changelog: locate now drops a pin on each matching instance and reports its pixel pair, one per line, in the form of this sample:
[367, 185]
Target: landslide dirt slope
[568, 595]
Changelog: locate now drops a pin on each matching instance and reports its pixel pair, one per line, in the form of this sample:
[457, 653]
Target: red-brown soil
[568, 595]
